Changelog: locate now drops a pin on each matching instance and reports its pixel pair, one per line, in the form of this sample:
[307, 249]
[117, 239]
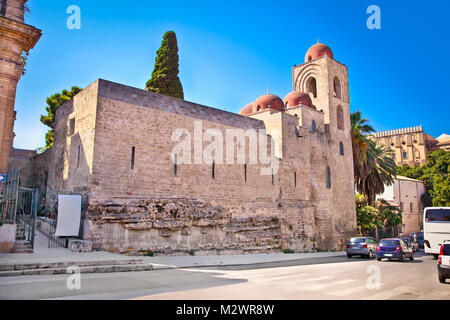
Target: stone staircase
[54, 268]
[22, 247]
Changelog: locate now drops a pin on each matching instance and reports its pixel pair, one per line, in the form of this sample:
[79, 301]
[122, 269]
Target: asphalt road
[320, 278]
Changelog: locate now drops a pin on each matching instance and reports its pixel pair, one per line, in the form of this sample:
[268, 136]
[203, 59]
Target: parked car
[420, 240]
[394, 248]
[412, 243]
[362, 246]
[444, 262]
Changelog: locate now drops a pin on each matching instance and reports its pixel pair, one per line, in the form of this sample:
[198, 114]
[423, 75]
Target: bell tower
[325, 80]
[16, 37]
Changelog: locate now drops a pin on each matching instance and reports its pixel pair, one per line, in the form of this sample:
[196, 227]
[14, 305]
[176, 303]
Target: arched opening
[258, 108]
[341, 148]
[340, 117]
[328, 174]
[311, 86]
[337, 87]
[309, 58]
[286, 105]
[313, 126]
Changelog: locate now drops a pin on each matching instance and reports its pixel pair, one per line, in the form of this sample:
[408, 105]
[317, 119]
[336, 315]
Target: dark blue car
[394, 248]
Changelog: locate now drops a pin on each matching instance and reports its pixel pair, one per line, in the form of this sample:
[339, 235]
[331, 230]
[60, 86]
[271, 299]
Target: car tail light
[442, 250]
[348, 246]
[440, 260]
[427, 243]
[398, 248]
[364, 246]
[378, 248]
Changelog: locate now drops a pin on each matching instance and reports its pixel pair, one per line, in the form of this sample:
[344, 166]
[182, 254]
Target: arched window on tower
[311, 86]
[328, 174]
[313, 126]
[341, 148]
[340, 118]
[337, 87]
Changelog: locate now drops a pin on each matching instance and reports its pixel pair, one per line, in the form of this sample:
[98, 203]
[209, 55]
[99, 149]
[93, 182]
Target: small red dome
[297, 97]
[248, 109]
[318, 50]
[268, 101]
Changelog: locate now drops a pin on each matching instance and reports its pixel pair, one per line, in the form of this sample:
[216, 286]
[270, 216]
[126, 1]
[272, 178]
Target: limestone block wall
[137, 201]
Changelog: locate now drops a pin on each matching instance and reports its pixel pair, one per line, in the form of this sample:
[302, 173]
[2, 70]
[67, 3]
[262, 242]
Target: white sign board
[69, 216]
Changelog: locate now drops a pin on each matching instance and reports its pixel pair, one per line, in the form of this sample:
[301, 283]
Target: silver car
[362, 246]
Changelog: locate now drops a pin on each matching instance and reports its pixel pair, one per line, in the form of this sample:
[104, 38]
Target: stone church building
[114, 146]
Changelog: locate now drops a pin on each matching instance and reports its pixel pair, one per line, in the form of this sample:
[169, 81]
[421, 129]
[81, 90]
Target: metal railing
[19, 206]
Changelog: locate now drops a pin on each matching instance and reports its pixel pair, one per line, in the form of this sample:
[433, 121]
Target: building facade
[16, 38]
[410, 146]
[119, 147]
[406, 194]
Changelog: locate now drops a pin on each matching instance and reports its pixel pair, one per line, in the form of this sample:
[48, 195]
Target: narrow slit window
[213, 169]
[245, 172]
[328, 174]
[133, 151]
[78, 155]
[295, 179]
[273, 180]
[175, 165]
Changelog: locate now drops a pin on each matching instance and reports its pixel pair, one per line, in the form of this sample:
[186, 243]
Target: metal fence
[19, 206]
[10, 194]
[381, 233]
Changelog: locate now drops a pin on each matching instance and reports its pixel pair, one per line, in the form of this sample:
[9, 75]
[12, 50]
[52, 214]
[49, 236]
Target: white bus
[436, 228]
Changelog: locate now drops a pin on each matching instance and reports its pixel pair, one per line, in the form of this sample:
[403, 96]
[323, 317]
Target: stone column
[15, 37]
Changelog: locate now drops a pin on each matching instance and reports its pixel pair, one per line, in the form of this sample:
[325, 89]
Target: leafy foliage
[436, 177]
[23, 61]
[373, 165]
[164, 78]
[382, 214]
[53, 103]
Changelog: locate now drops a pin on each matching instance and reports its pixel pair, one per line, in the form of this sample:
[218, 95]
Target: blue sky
[231, 51]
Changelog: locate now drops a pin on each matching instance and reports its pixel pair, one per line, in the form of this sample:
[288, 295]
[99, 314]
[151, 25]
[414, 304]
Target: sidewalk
[43, 254]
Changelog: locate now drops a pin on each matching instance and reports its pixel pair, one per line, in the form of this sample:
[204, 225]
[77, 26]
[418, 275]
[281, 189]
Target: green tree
[53, 103]
[164, 78]
[436, 177]
[380, 171]
[373, 165]
[380, 215]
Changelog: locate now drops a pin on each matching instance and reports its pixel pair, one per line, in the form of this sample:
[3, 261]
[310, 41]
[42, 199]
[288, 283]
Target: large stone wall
[149, 208]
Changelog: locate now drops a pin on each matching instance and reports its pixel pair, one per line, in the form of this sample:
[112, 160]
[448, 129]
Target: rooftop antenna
[267, 90]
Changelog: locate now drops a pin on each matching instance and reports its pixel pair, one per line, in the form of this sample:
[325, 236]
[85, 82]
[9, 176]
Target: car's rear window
[357, 240]
[389, 242]
[446, 249]
[438, 215]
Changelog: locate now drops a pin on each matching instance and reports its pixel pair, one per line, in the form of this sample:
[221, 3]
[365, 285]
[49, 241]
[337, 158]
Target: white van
[436, 228]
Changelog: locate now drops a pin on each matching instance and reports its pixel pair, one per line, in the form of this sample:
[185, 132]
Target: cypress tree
[165, 74]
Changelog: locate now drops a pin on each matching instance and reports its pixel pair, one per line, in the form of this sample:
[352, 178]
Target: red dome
[268, 101]
[318, 50]
[248, 109]
[297, 97]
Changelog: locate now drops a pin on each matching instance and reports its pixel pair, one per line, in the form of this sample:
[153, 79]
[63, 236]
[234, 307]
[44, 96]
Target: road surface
[320, 278]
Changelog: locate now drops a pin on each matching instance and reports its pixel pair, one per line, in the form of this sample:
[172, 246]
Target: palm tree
[373, 165]
[381, 171]
[359, 131]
